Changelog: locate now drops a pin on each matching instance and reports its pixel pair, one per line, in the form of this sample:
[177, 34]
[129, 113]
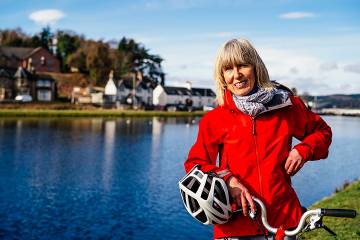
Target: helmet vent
[183, 196]
[192, 183]
[201, 217]
[219, 193]
[199, 174]
[207, 187]
[217, 207]
[194, 205]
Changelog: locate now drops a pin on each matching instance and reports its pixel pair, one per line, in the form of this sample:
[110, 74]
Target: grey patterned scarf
[256, 103]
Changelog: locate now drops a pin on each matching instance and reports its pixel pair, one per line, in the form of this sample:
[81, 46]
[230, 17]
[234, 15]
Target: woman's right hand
[240, 195]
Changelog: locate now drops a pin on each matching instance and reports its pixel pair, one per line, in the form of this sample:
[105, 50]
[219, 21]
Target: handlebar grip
[348, 213]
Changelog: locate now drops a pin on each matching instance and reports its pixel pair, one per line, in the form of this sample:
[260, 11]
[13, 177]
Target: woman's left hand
[294, 162]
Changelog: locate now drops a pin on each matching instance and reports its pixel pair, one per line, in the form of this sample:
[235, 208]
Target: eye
[228, 67]
[243, 65]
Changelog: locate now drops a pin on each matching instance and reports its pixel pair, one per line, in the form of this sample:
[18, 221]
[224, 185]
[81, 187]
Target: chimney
[29, 65]
[188, 85]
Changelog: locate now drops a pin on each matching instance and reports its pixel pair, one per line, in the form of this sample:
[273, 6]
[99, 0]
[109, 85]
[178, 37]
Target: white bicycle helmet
[206, 197]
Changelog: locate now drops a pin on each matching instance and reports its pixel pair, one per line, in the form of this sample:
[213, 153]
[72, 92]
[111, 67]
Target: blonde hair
[232, 53]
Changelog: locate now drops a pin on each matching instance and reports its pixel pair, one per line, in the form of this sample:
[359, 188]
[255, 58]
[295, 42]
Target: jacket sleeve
[205, 150]
[313, 132]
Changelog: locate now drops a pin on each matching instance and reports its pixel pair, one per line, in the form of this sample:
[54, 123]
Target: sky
[312, 45]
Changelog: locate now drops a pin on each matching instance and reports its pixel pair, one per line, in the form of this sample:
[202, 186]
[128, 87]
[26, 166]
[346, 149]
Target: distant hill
[335, 101]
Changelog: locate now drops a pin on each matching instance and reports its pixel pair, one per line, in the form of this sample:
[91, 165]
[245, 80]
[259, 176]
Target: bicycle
[310, 220]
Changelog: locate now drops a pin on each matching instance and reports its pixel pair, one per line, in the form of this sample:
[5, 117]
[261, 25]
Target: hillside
[335, 101]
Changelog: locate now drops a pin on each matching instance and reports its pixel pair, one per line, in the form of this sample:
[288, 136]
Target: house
[41, 87]
[97, 96]
[45, 88]
[183, 97]
[81, 95]
[7, 90]
[21, 82]
[87, 95]
[66, 82]
[165, 95]
[39, 59]
[133, 91]
[202, 97]
[110, 90]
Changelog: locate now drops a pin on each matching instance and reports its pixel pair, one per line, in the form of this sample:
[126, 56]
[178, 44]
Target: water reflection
[102, 178]
[110, 130]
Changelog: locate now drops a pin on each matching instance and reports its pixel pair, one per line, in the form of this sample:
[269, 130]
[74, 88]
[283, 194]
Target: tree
[133, 57]
[92, 58]
[98, 62]
[14, 38]
[77, 60]
[43, 38]
[67, 43]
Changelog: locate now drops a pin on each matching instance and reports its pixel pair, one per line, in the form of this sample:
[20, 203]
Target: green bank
[345, 228]
[93, 113]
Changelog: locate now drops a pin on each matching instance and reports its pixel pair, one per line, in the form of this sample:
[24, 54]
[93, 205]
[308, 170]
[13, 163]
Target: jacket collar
[230, 104]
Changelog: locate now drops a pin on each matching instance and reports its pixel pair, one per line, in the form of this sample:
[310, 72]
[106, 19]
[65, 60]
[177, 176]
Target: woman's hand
[240, 194]
[294, 162]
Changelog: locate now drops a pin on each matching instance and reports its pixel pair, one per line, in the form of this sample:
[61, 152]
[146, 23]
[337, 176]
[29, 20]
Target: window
[44, 95]
[43, 83]
[43, 60]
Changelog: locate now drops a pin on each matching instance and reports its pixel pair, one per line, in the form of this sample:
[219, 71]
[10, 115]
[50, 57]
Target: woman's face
[240, 79]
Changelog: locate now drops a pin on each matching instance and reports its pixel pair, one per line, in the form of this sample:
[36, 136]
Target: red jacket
[255, 150]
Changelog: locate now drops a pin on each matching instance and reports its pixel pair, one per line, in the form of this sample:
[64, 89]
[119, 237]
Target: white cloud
[328, 66]
[46, 16]
[294, 70]
[354, 68]
[297, 15]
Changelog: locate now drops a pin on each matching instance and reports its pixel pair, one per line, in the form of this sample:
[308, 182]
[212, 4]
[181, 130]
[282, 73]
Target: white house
[129, 91]
[164, 96]
[110, 90]
[203, 97]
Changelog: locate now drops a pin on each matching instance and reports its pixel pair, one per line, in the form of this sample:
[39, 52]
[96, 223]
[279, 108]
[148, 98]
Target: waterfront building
[40, 59]
[22, 84]
[110, 91]
[179, 98]
[132, 91]
[7, 90]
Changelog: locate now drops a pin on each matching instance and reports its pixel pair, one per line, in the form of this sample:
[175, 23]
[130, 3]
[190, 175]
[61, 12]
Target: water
[117, 178]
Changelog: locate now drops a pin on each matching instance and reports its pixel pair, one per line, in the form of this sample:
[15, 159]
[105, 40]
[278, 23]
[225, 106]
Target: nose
[237, 72]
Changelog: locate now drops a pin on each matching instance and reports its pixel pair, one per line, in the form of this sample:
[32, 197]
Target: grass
[23, 112]
[345, 228]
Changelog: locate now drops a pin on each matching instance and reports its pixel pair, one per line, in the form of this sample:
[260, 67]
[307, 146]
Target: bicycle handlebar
[338, 213]
[317, 212]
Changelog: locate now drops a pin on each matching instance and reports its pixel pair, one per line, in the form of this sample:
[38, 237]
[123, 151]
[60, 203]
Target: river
[117, 178]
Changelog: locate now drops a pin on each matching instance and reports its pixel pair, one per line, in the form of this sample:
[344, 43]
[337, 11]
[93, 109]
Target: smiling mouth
[241, 84]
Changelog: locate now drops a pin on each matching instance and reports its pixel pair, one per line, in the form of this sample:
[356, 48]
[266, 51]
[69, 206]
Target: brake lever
[329, 230]
[316, 221]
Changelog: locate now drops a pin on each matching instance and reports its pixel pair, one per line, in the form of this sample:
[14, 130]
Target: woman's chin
[240, 91]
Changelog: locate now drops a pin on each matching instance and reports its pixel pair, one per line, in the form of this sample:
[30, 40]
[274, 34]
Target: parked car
[23, 98]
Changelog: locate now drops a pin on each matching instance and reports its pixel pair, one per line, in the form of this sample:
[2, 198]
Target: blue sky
[308, 44]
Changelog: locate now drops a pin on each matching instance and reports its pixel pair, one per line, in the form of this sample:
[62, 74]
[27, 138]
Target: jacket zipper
[287, 103]
[257, 155]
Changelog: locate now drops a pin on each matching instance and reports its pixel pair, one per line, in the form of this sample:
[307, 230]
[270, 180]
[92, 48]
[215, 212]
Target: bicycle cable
[261, 227]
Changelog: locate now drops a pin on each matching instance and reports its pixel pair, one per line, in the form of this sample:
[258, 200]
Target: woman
[251, 132]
